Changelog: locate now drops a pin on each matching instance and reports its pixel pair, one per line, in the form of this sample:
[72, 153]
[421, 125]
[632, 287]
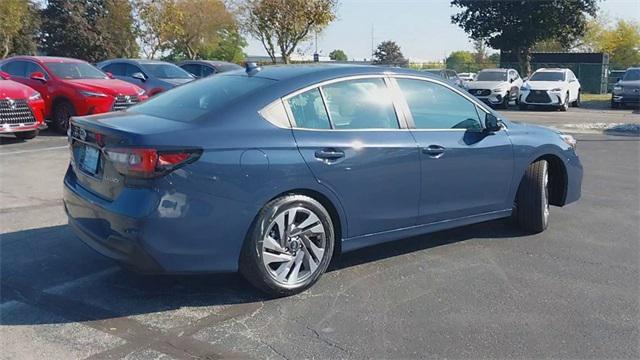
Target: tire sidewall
[251, 263]
[62, 125]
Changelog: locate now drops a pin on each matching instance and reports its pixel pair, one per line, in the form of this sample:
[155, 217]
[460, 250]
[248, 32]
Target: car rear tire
[289, 245]
[576, 103]
[532, 199]
[26, 135]
[61, 114]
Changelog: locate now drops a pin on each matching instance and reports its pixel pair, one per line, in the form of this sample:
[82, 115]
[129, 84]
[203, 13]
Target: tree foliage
[516, 26]
[338, 55]
[389, 53]
[621, 41]
[460, 61]
[19, 23]
[156, 23]
[280, 25]
[92, 30]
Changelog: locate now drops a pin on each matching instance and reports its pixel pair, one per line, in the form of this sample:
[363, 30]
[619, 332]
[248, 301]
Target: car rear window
[191, 101]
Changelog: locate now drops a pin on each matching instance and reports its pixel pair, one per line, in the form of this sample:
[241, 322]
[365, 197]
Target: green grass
[595, 97]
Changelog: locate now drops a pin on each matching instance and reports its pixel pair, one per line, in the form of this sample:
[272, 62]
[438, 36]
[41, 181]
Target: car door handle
[329, 154]
[433, 150]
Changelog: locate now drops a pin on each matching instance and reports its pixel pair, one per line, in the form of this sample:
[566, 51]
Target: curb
[602, 128]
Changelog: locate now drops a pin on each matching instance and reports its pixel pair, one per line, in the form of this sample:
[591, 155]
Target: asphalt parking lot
[482, 291]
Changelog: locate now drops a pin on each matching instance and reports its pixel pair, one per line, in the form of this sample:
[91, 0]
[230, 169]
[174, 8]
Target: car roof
[136, 61]
[46, 59]
[328, 71]
[210, 62]
[551, 70]
[495, 70]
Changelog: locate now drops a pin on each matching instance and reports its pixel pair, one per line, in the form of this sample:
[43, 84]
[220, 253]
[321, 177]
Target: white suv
[496, 87]
[551, 87]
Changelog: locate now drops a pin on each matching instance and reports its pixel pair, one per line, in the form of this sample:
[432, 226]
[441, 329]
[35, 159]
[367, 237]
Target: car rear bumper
[135, 230]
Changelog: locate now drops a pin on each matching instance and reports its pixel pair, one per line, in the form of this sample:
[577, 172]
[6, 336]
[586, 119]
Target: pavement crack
[327, 341]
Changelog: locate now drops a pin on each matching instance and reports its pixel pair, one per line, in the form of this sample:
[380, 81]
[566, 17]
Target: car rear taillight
[149, 163]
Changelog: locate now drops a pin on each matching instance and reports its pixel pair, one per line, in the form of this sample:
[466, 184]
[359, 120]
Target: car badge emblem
[127, 99]
[82, 134]
[12, 104]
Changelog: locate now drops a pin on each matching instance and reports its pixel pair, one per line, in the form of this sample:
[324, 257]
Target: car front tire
[289, 245]
[62, 112]
[565, 105]
[505, 101]
[576, 103]
[532, 199]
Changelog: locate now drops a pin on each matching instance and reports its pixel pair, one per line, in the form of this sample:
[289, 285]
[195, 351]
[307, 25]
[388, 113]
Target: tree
[229, 48]
[19, 25]
[389, 53]
[461, 61]
[621, 41]
[480, 48]
[281, 25]
[338, 55]
[92, 30]
[199, 25]
[157, 22]
[516, 26]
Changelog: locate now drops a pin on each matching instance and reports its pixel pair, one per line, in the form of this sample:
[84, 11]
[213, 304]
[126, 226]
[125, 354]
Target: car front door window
[436, 107]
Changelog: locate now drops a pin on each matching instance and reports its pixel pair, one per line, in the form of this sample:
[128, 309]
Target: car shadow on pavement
[51, 270]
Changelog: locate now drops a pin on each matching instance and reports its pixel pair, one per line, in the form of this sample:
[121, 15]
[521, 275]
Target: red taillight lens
[147, 163]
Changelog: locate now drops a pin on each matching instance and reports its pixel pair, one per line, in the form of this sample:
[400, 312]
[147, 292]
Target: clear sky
[422, 28]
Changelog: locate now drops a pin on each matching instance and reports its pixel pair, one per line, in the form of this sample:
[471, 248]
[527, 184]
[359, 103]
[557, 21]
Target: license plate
[90, 157]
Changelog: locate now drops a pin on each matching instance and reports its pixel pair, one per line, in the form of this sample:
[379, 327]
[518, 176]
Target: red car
[71, 87]
[21, 109]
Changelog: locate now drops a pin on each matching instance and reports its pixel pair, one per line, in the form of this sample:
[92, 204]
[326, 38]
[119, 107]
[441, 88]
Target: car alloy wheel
[61, 115]
[565, 105]
[293, 246]
[545, 194]
[289, 247]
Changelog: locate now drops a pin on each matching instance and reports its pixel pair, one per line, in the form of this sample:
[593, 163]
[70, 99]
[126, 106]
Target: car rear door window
[360, 104]
[308, 110]
[434, 106]
[207, 70]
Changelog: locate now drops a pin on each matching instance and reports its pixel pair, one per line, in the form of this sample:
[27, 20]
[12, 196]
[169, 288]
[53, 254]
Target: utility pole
[372, 42]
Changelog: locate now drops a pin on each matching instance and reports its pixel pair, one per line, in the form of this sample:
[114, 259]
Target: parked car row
[68, 87]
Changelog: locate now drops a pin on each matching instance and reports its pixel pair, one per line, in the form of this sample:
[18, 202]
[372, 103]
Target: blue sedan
[274, 171]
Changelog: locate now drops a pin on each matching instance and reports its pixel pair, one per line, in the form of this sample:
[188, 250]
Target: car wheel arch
[558, 178]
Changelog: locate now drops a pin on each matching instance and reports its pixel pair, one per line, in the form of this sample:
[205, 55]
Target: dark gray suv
[627, 90]
[204, 68]
[153, 76]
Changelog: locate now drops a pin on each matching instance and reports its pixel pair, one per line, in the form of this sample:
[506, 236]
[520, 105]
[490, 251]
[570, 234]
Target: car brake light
[149, 163]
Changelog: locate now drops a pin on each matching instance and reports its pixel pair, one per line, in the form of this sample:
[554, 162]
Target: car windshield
[75, 70]
[547, 76]
[191, 101]
[492, 76]
[632, 75]
[166, 71]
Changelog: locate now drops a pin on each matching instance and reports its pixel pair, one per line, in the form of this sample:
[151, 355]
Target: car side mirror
[492, 123]
[4, 75]
[110, 75]
[140, 76]
[38, 76]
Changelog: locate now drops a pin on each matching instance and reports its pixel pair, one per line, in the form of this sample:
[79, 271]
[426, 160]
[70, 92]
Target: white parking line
[60, 288]
[34, 150]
